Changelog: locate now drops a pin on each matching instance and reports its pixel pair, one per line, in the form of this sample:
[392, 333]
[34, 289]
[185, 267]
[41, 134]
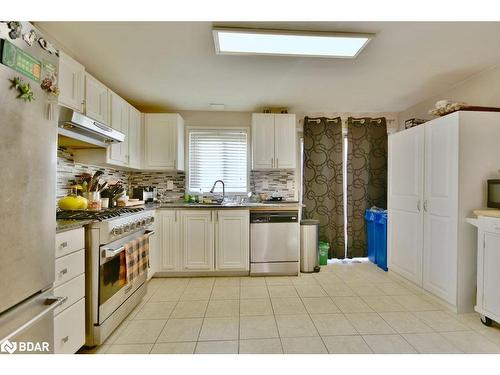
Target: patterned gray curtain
[323, 196]
[366, 177]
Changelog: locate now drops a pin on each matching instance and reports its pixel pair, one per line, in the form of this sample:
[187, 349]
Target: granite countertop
[64, 225]
[281, 205]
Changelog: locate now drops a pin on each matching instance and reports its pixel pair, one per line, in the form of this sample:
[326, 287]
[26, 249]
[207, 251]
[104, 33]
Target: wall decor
[24, 89]
[47, 46]
[21, 61]
[49, 83]
[15, 29]
[30, 37]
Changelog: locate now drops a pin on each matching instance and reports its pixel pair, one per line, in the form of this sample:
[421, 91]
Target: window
[218, 155]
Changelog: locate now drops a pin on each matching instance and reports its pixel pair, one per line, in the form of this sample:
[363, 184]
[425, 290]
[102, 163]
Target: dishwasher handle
[274, 217]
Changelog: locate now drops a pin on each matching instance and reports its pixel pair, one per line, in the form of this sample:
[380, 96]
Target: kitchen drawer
[69, 329]
[69, 266]
[490, 224]
[69, 241]
[73, 290]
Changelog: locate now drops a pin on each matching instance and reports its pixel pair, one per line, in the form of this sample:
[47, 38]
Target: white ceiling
[173, 66]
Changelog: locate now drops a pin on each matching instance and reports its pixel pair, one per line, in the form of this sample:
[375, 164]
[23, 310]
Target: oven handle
[110, 253]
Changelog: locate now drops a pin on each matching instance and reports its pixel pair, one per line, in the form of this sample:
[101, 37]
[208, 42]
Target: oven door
[113, 286]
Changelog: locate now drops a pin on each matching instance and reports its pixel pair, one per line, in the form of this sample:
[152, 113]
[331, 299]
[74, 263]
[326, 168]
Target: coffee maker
[148, 194]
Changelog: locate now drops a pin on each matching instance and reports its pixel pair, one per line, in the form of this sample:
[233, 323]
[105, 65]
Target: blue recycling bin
[370, 234]
[381, 239]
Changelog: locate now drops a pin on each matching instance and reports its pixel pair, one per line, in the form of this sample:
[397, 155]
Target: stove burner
[97, 215]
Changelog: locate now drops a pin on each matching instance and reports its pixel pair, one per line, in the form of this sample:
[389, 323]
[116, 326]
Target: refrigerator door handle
[51, 304]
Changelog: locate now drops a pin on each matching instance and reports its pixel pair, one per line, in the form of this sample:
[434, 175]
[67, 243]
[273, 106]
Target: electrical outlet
[170, 185]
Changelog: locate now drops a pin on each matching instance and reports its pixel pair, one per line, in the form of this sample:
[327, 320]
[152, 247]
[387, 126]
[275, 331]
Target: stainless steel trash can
[309, 236]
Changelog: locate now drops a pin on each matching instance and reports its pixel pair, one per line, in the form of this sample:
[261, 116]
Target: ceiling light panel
[288, 43]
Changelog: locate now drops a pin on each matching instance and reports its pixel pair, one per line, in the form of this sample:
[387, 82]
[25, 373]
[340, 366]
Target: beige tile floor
[346, 308]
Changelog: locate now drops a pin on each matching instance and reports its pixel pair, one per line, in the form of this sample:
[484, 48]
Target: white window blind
[218, 155]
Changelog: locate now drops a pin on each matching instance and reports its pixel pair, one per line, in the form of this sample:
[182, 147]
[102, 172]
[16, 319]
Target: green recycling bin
[324, 247]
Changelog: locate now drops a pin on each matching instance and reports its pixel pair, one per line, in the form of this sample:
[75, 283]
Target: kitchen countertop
[64, 225]
[492, 212]
[251, 206]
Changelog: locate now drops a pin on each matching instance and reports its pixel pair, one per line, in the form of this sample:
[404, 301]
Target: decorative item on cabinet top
[446, 106]
[410, 123]
[275, 110]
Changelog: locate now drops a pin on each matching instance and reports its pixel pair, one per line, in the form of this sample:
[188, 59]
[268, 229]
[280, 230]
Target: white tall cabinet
[437, 176]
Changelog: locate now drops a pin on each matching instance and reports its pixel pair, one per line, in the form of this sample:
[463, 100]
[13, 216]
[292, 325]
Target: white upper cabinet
[119, 118]
[71, 82]
[285, 141]
[134, 138]
[96, 100]
[262, 141]
[274, 141]
[163, 141]
[232, 240]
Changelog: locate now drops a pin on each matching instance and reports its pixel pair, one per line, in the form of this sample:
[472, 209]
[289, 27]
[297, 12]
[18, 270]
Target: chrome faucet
[223, 189]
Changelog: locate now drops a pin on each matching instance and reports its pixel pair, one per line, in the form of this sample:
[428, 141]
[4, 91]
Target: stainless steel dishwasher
[274, 243]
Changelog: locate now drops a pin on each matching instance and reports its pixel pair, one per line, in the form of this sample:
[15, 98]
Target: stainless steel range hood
[77, 126]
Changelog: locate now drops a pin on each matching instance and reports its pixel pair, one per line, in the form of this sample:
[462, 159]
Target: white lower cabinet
[69, 318]
[488, 264]
[193, 240]
[69, 329]
[197, 240]
[232, 240]
[168, 240]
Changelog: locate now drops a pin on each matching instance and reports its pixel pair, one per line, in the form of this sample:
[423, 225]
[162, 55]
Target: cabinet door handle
[63, 244]
[418, 205]
[64, 271]
[65, 339]
[425, 205]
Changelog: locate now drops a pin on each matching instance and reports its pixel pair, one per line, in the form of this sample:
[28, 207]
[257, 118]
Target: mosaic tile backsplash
[278, 182]
[67, 170]
[160, 180]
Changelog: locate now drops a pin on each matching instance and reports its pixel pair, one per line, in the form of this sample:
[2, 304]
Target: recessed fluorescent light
[288, 43]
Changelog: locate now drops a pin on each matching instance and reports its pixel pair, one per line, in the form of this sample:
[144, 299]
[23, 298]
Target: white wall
[482, 89]
[216, 118]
